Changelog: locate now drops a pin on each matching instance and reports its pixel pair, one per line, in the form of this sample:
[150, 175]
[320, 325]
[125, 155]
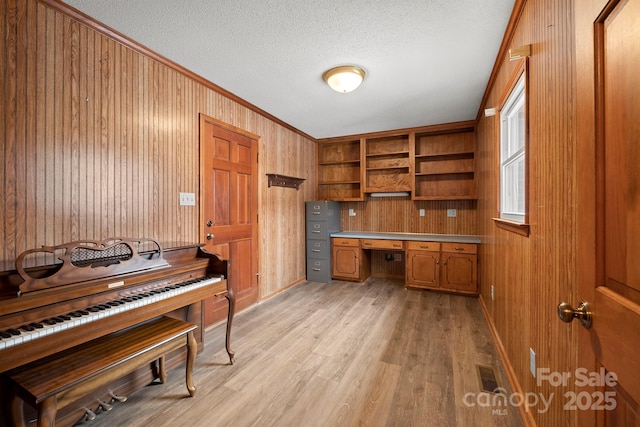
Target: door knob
[566, 313]
[210, 236]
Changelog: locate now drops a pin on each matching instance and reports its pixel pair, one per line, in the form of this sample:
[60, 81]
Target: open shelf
[340, 170]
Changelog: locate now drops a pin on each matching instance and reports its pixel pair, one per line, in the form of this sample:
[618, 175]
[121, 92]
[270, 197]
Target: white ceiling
[427, 61]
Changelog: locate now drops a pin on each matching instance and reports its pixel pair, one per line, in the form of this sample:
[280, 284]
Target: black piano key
[94, 309]
[13, 332]
[27, 328]
[37, 325]
[4, 334]
[65, 318]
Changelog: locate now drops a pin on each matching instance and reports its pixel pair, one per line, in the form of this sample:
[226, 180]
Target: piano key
[52, 325]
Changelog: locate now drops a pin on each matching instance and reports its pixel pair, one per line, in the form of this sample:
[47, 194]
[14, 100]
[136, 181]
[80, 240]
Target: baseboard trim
[527, 417]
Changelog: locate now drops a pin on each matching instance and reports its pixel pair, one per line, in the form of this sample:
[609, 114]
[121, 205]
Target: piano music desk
[54, 382]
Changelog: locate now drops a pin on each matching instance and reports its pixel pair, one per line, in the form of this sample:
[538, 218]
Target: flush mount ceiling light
[344, 78]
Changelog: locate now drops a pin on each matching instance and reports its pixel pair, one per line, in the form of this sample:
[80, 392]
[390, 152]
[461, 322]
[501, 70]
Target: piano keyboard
[31, 331]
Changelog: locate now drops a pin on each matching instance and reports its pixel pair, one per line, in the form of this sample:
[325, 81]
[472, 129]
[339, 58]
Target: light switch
[421, 212]
[451, 213]
[187, 199]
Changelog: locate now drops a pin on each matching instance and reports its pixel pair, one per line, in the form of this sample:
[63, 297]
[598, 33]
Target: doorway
[229, 209]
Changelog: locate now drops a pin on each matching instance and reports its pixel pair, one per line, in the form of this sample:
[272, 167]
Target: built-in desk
[445, 262]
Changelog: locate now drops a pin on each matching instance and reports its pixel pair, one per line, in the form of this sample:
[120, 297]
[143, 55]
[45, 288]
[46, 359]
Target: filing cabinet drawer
[318, 249]
[322, 211]
[319, 270]
[317, 230]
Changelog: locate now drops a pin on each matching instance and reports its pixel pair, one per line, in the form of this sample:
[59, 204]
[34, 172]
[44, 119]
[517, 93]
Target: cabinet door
[459, 272]
[422, 268]
[346, 262]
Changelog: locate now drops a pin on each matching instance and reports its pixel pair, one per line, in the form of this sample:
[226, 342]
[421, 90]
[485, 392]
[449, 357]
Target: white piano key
[46, 330]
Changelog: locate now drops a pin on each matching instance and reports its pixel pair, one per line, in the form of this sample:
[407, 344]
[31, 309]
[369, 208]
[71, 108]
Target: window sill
[514, 227]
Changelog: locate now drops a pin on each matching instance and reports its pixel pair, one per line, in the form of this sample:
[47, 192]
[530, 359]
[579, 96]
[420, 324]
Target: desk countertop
[423, 237]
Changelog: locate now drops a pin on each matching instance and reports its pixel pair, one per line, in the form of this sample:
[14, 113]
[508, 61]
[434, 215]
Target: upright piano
[60, 297]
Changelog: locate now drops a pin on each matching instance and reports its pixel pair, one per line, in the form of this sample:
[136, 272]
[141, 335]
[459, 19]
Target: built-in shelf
[430, 165]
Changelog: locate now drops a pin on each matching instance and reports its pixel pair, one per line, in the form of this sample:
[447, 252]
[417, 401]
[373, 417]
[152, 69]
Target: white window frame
[513, 154]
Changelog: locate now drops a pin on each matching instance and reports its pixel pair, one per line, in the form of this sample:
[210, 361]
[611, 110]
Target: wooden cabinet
[349, 262]
[339, 170]
[388, 164]
[444, 166]
[448, 266]
[422, 264]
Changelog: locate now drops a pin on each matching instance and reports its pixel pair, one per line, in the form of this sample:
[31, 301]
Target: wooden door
[229, 208]
[608, 215]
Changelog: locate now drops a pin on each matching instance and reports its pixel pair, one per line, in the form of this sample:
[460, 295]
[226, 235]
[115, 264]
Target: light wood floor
[338, 354]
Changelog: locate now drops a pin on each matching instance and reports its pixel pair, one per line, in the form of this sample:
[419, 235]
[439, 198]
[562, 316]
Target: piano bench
[52, 383]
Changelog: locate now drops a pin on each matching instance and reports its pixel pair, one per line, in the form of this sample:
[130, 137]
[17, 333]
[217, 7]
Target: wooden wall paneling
[531, 275]
[100, 135]
[399, 214]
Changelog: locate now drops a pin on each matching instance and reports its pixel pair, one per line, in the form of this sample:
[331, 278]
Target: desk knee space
[52, 383]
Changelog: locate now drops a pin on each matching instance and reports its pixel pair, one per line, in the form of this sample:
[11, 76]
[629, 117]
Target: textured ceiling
[427, 61]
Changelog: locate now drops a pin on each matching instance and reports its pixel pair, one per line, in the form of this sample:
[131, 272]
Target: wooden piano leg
[231, 297]
[162, 370]
[47, 410]
[192, 349]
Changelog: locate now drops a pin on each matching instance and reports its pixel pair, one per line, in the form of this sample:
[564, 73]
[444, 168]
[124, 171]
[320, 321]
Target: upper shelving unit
[432, 163]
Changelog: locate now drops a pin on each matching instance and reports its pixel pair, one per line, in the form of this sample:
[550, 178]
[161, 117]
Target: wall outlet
[421, 212]
[352, 212]
[187, 199]
[397, 257]
[492, 294]
[532, 362]
[451, 213]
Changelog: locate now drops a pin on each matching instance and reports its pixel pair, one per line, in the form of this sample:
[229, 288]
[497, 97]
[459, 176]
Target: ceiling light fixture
[344, 78]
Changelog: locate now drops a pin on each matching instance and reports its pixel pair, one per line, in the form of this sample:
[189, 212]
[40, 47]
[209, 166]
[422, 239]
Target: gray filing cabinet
[323, 218]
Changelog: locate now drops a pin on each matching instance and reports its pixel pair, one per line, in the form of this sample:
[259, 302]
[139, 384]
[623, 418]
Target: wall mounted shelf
[284, 181]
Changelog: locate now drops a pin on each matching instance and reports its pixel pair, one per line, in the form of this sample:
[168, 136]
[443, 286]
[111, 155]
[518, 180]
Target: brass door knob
[210, 236]
[566, 313]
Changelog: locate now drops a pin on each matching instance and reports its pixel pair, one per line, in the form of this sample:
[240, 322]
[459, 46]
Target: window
[513, 156]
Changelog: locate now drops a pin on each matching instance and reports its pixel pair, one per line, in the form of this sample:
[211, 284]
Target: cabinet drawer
[317, 230]
[423, 246]
[342, 241]
[318, 270]
[382, 244]
[318, 249]
[322, 211]
[463, 248]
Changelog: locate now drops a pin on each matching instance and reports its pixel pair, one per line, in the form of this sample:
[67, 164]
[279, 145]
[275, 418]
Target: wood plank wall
[531, 275]
[99, 138]
[399, 214]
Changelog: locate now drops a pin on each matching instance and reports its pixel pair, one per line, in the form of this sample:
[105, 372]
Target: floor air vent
[487, 377]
